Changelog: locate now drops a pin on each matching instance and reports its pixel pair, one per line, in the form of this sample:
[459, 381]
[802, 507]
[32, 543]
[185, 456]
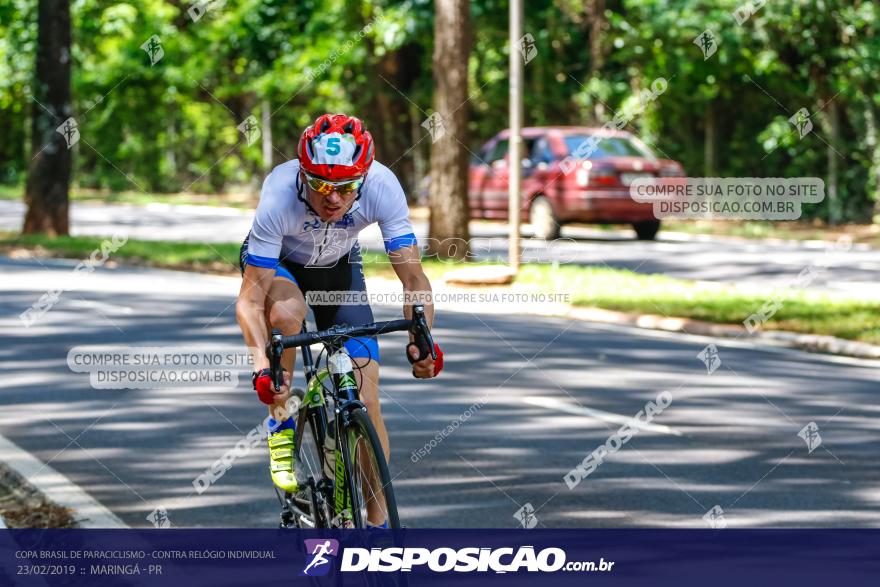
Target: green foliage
[172, 125]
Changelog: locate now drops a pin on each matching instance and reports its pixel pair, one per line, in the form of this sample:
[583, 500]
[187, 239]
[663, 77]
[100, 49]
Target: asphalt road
[758, 263]
[547, 393]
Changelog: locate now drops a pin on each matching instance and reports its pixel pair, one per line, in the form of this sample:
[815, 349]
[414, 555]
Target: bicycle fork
[342, 372]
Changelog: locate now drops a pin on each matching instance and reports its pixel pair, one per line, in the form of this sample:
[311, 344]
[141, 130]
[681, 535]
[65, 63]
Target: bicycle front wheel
[372, 496]
[311, 426]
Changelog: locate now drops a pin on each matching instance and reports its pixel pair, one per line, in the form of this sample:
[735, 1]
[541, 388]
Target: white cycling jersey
[286, 228]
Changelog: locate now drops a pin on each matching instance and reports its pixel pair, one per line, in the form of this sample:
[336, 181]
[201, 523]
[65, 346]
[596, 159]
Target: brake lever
[422, 333]
[274, 351]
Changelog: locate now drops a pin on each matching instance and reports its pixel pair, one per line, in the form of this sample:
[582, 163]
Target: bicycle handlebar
[335, 332]
[417, 325]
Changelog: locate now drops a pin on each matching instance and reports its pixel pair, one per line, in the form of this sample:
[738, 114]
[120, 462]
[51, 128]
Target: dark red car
[558, 188]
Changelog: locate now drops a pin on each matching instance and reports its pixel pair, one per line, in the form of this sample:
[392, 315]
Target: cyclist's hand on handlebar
[266, 390]
[427, 367]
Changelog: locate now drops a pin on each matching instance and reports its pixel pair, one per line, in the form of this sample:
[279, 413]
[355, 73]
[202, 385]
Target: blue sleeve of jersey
[398, 242]
[265, 262]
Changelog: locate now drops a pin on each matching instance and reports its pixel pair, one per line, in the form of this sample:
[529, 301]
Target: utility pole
[515, 141]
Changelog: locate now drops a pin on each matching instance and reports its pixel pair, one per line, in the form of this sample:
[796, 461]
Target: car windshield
[608, 147]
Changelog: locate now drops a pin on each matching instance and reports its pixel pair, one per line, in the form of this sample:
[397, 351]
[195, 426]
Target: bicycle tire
[309, 457]
[361, 433]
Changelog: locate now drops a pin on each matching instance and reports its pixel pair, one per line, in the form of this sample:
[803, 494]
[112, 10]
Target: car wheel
[646, 230]
[543, 220]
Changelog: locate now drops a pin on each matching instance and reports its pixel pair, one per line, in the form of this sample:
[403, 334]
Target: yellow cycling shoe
[281, 460]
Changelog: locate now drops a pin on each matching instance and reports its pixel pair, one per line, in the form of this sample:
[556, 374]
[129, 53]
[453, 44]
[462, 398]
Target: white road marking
[611, 418]
[88, 512]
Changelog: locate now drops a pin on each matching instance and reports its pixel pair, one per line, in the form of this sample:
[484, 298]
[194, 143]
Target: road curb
[816, 343]
[779, 338]
[85, 509]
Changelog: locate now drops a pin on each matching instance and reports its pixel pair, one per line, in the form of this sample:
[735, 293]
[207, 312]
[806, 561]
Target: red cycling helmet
[336, 147]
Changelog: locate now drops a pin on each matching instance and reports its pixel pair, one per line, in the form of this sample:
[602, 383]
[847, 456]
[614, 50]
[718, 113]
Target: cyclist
[303, 241]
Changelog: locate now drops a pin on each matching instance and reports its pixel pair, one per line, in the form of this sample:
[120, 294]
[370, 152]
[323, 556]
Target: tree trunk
[391, 113]
[49, 172]
[710, 141]
[266, 115]
[385, 107]
[448, 230]
[418, 155]
[835, 208]
[595, 10]
[170, 145]
[873, 147]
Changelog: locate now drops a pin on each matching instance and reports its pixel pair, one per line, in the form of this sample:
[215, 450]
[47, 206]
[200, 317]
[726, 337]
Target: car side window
[541, 152]
[528, 145]
[499, 151]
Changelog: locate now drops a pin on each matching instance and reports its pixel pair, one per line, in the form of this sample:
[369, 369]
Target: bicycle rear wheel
[370, 483]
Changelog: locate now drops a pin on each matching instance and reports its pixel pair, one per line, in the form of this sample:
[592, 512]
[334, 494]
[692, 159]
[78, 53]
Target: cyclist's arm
[407, 263]
[264, 247]
[250, 311]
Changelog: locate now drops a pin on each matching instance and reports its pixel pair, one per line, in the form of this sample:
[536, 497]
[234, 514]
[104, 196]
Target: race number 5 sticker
[334, 149]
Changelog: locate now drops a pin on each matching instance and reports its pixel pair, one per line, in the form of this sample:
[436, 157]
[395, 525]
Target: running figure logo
[527, 48]
[707, 44]
[153, 48]
[710, 358]
[69, 129]
[250, 129]
[526, 516]
[801, 121]
[810, 434]
[321, 552]
[435, 126]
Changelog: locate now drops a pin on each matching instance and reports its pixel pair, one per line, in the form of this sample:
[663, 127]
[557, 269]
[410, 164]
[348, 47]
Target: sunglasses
[324, 187]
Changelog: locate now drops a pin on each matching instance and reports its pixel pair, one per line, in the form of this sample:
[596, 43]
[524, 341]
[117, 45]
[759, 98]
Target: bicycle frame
[345, 394]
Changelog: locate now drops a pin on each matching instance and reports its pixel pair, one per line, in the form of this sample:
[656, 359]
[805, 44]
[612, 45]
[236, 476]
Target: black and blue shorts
[347, 275]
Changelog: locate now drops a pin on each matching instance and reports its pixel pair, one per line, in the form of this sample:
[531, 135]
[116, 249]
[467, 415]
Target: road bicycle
[336, 486]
